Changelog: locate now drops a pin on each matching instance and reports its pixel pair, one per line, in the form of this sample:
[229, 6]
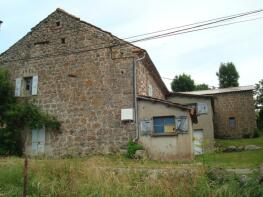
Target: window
[150, 90]
[26, 86]
[164, 124]
[232, 121]
[63, 40]
[28, 83]
[202, 108]
[58, 23]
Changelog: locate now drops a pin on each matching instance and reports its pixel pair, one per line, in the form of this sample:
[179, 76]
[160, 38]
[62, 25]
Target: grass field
[99, 176]
[244, 159]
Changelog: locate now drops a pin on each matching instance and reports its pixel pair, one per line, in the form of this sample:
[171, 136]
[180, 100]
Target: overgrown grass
[116, 175]
[91, 177]
[244, 159]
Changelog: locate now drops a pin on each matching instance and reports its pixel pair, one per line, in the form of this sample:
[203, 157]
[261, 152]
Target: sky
[198, 54]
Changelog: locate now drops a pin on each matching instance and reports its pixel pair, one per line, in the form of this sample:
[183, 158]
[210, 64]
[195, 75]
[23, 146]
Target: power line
[191, 24]
[198, 29]
[181, 31]
[221, 19]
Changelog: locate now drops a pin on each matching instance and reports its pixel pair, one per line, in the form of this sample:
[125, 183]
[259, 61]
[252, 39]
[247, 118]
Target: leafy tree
[259, 103]
[202, 86]
[16, 116]
[183, 83]
[227, 75]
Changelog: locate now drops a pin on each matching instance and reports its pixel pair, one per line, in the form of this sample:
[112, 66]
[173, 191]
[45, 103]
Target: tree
[16, 116]
[227, 75]
[202, 86]
[182, 83]
[259, 103]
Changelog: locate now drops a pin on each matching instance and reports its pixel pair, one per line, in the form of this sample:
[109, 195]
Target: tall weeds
[80, 177]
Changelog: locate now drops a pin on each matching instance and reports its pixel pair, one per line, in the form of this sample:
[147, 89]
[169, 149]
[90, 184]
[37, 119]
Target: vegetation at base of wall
[132, 148]
[85, 177]
[16, 116]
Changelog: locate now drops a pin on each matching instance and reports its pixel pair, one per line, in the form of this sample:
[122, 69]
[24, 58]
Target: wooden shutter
[182, 124]
[18, 87]
[34, 85]
[146, 127]
[34, 141]
[41, 141]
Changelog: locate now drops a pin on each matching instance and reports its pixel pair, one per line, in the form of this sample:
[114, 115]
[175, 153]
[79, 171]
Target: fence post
[25, 177]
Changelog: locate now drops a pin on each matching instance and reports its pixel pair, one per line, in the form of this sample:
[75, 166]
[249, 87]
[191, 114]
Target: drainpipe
[135, 61]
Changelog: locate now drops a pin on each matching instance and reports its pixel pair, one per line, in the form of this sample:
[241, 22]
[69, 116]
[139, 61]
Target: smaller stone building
[234, 113]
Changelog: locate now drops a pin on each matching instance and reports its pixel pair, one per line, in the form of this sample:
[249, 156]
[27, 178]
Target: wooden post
[25, 177]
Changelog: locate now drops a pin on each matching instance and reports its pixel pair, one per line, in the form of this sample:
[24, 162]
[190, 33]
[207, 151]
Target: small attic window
[63, 40]
[58, 23]
[42, 42]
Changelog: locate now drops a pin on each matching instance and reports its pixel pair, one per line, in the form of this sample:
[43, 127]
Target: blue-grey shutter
[146, 127]
[182, 124]
[41, 140]
[18, 87]
[34, 85]
[34, 141]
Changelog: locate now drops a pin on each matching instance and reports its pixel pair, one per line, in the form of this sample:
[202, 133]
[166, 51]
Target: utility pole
[1, 23]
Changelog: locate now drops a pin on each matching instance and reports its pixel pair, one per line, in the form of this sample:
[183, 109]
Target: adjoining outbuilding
[234, 112]
[165, 129]
[203, 129]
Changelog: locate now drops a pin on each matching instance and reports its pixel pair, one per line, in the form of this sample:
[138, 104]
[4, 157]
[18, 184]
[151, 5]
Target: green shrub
[16, 116]
[256, 133]
[132, 148]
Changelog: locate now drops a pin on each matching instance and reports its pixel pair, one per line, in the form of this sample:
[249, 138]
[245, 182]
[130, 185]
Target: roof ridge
[65, 12]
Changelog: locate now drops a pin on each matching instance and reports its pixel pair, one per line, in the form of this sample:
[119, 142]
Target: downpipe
[135, 61]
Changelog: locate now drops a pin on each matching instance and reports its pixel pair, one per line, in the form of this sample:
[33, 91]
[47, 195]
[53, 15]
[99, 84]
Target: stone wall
[85, 89]
[239, 105]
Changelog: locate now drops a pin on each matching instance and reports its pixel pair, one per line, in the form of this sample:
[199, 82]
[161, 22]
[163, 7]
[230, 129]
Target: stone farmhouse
[103, 90]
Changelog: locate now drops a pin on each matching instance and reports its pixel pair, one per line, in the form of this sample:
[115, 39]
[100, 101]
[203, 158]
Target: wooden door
[198, 136]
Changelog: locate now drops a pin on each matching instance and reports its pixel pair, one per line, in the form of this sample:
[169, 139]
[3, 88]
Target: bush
[132, 148]
[256, 133]
[16, 116]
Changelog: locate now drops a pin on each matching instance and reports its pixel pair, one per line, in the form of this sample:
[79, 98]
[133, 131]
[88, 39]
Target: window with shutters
[26, 86]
